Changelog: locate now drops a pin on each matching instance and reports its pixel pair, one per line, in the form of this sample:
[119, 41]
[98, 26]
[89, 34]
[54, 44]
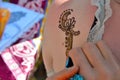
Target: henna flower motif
[67, 24]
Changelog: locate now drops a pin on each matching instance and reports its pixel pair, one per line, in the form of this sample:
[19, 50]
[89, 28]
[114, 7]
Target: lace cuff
[102, 14]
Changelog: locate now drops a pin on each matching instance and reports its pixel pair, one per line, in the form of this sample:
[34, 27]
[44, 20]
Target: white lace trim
[102, 14]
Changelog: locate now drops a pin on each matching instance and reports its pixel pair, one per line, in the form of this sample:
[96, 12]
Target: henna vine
[66, 25]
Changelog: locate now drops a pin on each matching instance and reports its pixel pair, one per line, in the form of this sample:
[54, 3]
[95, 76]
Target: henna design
[66, 25]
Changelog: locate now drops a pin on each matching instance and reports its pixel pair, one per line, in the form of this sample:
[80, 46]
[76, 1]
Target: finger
[66, 73]
[93, 54]
[107, 53]
[79, 59]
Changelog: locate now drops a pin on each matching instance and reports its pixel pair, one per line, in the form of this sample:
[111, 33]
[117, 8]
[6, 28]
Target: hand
[64, 74]
[96, 62]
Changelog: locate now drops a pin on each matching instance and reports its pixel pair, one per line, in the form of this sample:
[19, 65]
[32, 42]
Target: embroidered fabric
[19, 60]
[102, 14]
[15, 60]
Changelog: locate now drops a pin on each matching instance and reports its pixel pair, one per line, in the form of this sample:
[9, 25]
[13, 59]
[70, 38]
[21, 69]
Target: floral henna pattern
[66, 25]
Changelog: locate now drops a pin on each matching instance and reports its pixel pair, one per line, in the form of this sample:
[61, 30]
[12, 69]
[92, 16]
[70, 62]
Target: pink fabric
[30, 34]
[19, 59]
[5, 73]
[35, 5]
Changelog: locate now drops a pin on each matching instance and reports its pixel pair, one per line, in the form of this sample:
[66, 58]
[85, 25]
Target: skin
[112, 27]
[118, 1]
[54, 56]
[96, 61]
[64, 74]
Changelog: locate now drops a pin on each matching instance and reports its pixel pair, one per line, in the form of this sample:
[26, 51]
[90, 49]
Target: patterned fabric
[38, 6]
[5, 73]
[35, 5]
[21, 20]
[19, 60]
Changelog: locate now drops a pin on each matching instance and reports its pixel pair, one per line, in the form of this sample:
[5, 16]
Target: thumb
[64, 74]
[67, 73]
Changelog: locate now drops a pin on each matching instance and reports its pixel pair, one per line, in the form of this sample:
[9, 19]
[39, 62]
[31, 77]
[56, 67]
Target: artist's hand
[64, 74]
[96, 62]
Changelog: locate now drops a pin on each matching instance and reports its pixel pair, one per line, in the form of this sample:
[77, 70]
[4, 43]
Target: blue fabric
[21, 20]
[76, 76]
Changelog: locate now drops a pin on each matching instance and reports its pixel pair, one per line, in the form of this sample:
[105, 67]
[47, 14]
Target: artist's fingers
[64, 74]
[107, 53]
[80, 60]
[94, 56]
